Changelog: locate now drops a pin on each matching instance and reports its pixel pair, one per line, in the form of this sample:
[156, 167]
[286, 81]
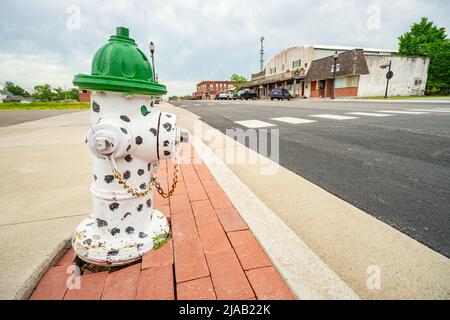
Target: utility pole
[261, 61]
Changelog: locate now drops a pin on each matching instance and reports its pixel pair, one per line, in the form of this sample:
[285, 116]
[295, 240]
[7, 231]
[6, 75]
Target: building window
[296, 63]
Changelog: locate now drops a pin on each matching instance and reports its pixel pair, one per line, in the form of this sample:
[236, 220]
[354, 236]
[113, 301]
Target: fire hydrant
[128, 137]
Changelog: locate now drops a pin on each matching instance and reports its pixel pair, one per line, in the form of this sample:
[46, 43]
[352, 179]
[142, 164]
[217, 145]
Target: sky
[51, 41]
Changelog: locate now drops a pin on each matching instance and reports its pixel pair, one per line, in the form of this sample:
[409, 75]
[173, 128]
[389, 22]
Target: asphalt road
[11, 117]
[394, 167]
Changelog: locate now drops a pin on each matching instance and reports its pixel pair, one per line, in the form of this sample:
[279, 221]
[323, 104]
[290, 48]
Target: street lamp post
[152, 51]
[334, 75]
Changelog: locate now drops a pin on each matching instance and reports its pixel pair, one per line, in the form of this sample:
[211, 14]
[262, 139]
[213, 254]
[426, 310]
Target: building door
[322, 85]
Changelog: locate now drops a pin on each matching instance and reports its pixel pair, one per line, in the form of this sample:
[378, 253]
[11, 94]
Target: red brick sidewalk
[211, 255]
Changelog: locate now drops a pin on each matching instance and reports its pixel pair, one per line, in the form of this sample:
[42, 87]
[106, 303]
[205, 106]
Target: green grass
[44, 105]
[404, 97]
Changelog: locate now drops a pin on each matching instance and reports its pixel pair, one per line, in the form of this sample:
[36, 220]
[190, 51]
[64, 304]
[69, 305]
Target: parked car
[230, 95]
[280, 94]
[248, 95]
[223, 96]
[237, 95]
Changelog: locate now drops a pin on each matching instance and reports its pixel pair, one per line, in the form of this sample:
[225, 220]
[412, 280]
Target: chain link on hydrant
[127, 139]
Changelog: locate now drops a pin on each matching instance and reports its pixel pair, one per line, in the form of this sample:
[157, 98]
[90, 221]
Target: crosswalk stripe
[401, 112]
[254, 124]
[293, 120]
[333, 117]
[369, 114]
[431, 110]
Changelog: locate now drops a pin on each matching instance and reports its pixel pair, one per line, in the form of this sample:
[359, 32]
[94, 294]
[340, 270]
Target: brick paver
[91, 287]
[212, 254]
[268, 284]
[199, 289]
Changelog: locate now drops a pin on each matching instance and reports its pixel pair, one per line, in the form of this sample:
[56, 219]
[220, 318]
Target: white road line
[401, 112]
[430, 110]
[197, 104]
[254, 124]
[293, 120]
[333, 117]
[371, 114]
[183, 105]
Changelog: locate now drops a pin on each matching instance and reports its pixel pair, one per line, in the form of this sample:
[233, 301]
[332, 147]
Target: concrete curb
[25, 291]
[308, 277]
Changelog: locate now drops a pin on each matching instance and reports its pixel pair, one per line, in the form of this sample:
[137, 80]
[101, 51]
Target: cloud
[195, 40]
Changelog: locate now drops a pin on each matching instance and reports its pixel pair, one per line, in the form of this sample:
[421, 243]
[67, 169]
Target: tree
[43, 92]
[238, 80]
[426, 39]
[15, 89]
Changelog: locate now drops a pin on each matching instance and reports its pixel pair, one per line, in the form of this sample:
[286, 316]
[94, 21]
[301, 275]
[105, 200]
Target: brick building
[84, 96]
[209, 89]
[308, 71]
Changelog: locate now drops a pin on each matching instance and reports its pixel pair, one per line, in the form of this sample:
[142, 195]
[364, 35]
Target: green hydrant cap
[120, 66]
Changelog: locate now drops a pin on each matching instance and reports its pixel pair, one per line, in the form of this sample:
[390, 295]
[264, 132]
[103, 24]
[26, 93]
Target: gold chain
[121, 180]
[154, 180]
[174, 184]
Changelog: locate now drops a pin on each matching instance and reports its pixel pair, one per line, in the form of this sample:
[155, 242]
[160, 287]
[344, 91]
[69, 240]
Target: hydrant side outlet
[128, 137]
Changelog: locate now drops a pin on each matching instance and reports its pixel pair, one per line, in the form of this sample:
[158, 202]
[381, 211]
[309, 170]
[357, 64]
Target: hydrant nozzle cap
[121, 67]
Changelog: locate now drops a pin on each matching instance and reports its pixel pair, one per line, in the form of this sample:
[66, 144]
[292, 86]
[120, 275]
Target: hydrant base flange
[99, 248]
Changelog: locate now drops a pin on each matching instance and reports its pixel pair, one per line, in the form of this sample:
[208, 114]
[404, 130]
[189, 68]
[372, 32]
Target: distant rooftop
[342, 48]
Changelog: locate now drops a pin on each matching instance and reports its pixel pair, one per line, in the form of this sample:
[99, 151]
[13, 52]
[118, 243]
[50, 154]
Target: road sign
[389, 75]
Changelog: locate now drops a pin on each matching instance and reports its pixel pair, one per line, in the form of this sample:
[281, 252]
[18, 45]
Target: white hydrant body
[128, 137]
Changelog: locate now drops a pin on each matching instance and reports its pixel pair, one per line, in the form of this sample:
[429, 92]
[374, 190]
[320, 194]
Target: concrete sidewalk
[45, 171]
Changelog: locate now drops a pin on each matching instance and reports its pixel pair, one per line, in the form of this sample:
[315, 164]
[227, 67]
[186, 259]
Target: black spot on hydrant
[141, 172]
[138, 140]
[127, 175]
[95, 177]
[128, 158]
[129, 147]
[101, 223]
[143, 186]
[124, 130]
[129, 230]
[140, 207]
[125, 118]
[167, 153]
[142, 235]
[115, 231]
[149, 203]
[154, 131]
[95, 106]
[87, 242]
[109, 178]
[166, 143]
[127, 214]
[113, 252]
[167, 126]
[113, 206]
